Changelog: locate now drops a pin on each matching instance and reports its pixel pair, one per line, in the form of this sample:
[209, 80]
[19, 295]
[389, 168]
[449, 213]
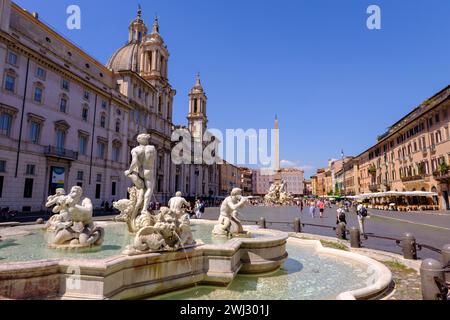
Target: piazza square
[177, 156]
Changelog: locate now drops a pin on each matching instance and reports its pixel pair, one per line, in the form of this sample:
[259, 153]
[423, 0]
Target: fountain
[145, 253]
[166, 231]
[278, 194]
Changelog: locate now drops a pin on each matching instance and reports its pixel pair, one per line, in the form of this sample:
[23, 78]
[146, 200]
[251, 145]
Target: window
[2, 166]
[80, 175]
[113, 188]
[5, 124]
[65, 85]
[83, 141]
[35, 130]
[438, 136]
[437, 118]
[63, 105]
[85, 113]
[116, 153]
[1, 186]
[28, 188]
[99, 177]
[60, 139]
[38, 94]
[86, 95]
[101, 150]
[40, 73]
[103, 121]
[10, 83]
[104, 104]
[31, 169]
[12, 58]
[160, 162]
[98, 189]
[117, 126]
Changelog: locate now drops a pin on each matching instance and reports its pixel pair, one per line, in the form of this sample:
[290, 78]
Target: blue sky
[333, 83]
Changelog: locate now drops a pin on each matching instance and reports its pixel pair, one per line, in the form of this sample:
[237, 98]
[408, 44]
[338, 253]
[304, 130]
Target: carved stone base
[76, 247]
[131, 251]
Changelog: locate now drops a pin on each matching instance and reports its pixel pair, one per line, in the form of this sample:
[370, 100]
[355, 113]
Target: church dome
[126, 58]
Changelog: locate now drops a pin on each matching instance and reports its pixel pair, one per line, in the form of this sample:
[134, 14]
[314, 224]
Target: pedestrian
[340, 217]
[361, 212]
[301, 206]
[312, 209]
[321, 208]
[201, 209]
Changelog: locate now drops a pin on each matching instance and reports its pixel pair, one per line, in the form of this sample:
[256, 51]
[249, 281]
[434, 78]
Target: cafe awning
[395, 194]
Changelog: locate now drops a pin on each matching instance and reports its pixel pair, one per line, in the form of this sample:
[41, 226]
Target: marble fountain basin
[30, 270]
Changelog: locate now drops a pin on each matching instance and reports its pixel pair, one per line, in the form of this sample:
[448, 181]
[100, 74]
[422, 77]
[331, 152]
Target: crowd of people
[318, 206]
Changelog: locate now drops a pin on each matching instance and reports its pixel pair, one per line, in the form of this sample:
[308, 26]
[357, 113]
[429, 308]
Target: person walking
[312, 209]
[201, 209]
[361, 212]
[340, 217]
[301, 206]
[321, 206]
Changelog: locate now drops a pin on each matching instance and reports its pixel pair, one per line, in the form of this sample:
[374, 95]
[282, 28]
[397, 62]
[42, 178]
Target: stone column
[154, 56]
[5, 14]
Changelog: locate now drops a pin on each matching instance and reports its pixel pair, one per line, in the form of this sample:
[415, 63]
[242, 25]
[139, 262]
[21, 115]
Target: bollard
[262, 223]
[341, 231]
[297, 225]
[446, 260]
[355, 238]
[409, 246]
[431, 274]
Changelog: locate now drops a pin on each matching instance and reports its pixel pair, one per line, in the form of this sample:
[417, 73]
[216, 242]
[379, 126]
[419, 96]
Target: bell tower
[197, 110]
[137, 29]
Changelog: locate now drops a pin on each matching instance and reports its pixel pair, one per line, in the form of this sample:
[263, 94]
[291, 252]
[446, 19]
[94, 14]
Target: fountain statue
[72, 226]
[278, 194]
[229, 223]
[167, 231]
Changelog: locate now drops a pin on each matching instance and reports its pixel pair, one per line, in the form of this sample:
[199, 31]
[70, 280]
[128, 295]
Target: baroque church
[67, 119]
[141, 67]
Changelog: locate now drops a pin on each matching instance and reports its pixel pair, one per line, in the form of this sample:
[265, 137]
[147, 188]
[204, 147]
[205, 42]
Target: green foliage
[443, 168]
[372, 169]
[334, 245]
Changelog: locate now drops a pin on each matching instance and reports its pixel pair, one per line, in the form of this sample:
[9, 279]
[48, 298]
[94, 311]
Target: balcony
[375, 187]
[60, 153]
[442, 176]
[412, 178]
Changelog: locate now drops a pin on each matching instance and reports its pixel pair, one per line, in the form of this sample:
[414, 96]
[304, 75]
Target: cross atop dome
[156, 24]
[139, 12]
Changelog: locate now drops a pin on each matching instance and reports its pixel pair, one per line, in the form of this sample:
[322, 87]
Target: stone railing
[412, 178]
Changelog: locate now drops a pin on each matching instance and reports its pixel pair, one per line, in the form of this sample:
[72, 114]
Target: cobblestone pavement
[407, 282]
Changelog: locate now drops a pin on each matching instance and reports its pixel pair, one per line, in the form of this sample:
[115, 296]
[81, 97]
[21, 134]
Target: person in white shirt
[361, 212]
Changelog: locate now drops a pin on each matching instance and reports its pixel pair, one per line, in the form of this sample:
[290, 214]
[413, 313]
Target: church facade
[66, 119]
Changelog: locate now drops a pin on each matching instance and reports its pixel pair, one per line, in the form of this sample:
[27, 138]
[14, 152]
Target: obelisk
[276, 166]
